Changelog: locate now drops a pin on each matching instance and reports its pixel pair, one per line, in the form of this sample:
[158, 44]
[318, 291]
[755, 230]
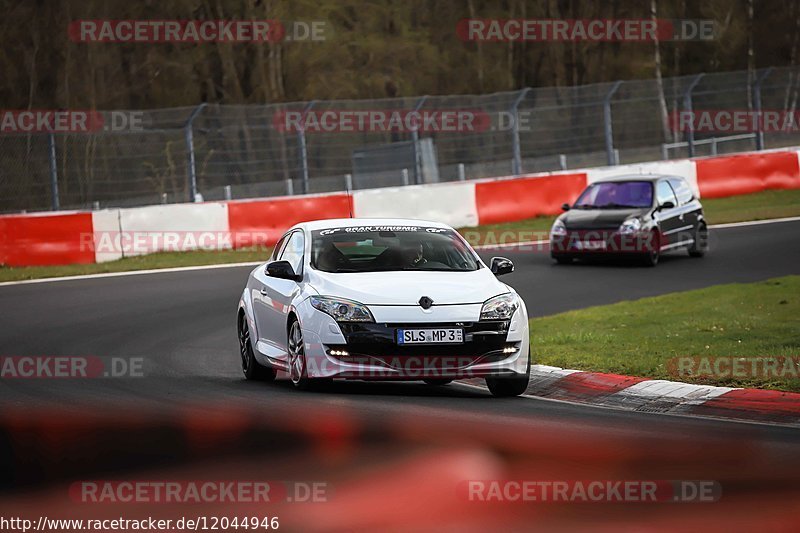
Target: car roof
[349, 222]
[639, 177]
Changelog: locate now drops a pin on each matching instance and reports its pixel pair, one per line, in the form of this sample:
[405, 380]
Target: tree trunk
[751, 56]
[659, 81]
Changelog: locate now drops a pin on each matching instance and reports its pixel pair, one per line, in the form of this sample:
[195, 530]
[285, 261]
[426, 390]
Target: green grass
[642, 337]
[141, 262]
[758, 206]
[769, 204]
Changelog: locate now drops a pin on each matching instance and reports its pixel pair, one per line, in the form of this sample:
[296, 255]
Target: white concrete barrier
[451, 203]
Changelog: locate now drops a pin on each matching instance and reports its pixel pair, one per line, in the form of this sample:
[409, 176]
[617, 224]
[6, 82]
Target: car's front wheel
[298, 371]
[298, 363]
[505, 387]
[251, 368]
[700, 245]
[652, 249]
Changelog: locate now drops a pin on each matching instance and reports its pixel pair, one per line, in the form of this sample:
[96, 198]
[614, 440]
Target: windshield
[385, 248]
[616, 195]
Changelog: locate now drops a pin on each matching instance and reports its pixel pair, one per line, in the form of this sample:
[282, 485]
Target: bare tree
[751, 56]
[657, 64]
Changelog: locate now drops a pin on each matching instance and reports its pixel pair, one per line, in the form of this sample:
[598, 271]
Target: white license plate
[590, 245]
[430, 336]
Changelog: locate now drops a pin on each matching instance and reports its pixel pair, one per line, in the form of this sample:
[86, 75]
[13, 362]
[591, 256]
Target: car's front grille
[380, 339]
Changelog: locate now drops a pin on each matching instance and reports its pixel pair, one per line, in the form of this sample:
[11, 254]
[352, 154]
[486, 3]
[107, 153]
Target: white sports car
[382, 299]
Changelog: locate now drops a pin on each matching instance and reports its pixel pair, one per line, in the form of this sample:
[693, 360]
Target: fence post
[301, 143]
[415, 140]
[462, 174]
[51, 145]
[607, 126]
[516, 163]
[687, 107]
[757, 106]
[189, 136]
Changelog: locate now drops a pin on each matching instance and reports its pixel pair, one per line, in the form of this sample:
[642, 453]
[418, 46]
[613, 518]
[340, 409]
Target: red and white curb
[661, 396]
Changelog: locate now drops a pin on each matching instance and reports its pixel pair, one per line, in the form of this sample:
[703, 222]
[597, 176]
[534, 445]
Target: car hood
[599, 218]
[406, 288]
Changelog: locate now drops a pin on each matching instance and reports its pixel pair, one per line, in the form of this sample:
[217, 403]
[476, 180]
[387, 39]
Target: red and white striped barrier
[106, 235]
[656, 395]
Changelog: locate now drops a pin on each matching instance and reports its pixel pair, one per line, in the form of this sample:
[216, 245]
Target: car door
[668, 217]
[273, 297]
[688, 208]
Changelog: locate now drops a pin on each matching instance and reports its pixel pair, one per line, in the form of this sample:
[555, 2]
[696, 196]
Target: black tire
[650, 258]
[700, 245]
[298, 371]
[505, 387]
[437, 382]
[252, 369]
[563, 259]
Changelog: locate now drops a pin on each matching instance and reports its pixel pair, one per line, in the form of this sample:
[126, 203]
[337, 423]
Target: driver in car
[413, 255]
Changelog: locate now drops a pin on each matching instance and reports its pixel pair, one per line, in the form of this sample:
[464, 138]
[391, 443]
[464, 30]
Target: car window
[278, 247]
[682, 190]
[616, 195]
[664, 193]
[293, 252]
[390, 248]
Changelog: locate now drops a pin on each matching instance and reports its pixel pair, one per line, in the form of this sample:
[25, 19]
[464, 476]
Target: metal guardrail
[713, 142]
[216, 152]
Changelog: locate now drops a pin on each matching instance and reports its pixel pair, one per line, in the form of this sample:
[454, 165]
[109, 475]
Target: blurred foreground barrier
[389, 473]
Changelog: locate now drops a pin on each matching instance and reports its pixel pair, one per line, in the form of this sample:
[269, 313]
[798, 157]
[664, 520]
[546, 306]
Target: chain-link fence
[214, 152]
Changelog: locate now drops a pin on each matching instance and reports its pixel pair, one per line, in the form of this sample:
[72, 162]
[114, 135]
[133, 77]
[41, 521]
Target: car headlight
[632, 225]
[558, 229]
[500, 307]
[342, 310]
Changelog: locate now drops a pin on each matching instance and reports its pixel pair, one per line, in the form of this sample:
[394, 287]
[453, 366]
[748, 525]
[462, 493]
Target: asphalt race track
[182, 324]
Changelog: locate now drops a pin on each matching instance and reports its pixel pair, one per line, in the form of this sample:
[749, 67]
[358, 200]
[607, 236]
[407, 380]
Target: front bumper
[374, 346]
[369, 351]
[600, 242]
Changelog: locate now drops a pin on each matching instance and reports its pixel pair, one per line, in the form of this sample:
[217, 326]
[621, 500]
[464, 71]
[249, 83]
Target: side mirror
[501, 265]
[666, 205]
[565, 207]
[282, 270]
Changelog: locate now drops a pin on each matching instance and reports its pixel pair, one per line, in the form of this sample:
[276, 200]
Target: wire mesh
[243, 151]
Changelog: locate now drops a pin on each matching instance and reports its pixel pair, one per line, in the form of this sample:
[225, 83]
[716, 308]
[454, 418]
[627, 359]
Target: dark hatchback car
[631, 216]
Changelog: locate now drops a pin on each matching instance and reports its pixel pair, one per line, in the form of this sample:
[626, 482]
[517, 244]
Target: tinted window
[386, 248]
[664, 193]
[293, 252]
[616, 195]
[682, 191]
[277, 250]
